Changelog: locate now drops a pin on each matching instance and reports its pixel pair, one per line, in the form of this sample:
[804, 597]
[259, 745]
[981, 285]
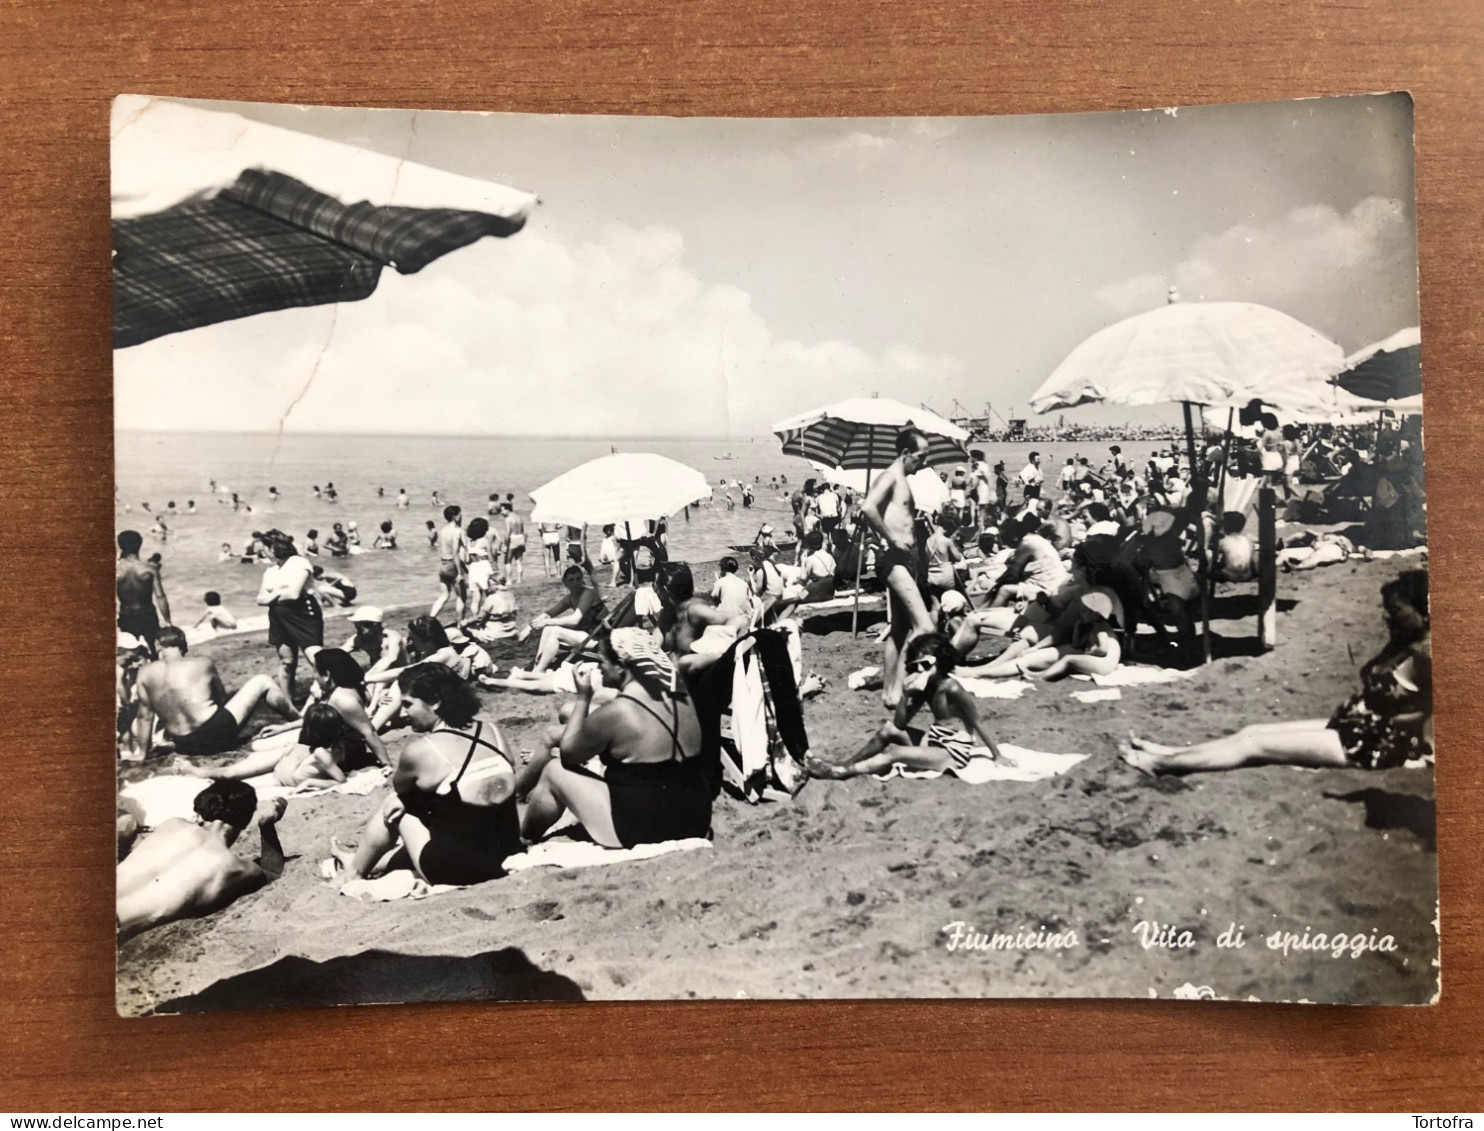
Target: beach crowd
[1038, 572]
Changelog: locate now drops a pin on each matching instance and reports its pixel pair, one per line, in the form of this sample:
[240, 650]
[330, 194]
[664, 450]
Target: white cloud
[610, 337]
[1322, 266]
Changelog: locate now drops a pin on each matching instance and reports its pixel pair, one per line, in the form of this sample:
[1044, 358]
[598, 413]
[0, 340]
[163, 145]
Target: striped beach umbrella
[1388, 371]
[630, 487]
[861, 434]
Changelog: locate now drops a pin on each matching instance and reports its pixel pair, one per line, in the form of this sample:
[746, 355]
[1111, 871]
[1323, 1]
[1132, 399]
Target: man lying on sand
[187, 694]
[184, 870]
[930, 662]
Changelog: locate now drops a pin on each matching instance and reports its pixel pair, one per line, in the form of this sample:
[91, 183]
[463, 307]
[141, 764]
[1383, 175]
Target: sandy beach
[851, 888]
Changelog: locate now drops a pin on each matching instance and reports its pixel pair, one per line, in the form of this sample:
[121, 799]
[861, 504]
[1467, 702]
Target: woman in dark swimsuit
[652, 786]
[452, 811]
[1388, 723]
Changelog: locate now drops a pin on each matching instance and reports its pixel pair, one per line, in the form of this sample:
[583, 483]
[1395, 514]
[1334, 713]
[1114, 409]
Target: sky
[712, 276]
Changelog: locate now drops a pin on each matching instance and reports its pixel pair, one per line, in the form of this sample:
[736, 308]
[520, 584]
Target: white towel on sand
[868, 601]
[403, 883]
[1098, 695]
[563, 853]
[1137, 677]
[155, 800]
[1030, 765]
[994, 688]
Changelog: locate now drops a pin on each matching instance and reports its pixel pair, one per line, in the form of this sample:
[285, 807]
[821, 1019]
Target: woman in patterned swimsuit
[1387, 723]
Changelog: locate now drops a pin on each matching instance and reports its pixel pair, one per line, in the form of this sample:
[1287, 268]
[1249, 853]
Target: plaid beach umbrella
[628, 487]
[861, 434]
[216, 217]
[1389, 370]
[266, 243]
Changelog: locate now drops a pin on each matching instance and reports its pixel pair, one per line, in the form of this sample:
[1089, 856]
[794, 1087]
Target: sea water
[160, 467]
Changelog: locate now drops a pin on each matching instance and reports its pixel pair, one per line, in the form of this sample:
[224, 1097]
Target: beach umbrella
[861, 434]
[928, 490]
[216, 217]
[1222, 354]
[629, 487]
[1387, 371]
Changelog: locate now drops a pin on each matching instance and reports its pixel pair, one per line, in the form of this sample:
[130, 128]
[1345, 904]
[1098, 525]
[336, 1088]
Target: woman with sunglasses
[931, 659]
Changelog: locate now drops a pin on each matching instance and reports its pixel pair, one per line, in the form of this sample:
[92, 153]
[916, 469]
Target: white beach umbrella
[1222, 354]
[628, 487]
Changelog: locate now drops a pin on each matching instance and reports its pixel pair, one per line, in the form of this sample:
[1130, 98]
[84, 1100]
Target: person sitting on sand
[568, 622]
[451, 815]
[184, 870]
[1033, 569]
[697, 631]
[652, 784]
[428, 644]
[816, 577]
[495, 619]
[732, 595]
[315, 755]
[1388, 723]
[1235, 557]
[186, 692]
[215, 617]
[333, 587]
[1073, 632]
[384, 648]
[342, 685]
[931, 659]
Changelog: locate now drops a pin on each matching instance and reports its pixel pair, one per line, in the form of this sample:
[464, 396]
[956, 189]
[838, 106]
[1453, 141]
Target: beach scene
[558, 592]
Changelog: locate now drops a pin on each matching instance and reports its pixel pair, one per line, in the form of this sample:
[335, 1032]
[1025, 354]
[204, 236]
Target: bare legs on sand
[909, 619]
[1303, 742]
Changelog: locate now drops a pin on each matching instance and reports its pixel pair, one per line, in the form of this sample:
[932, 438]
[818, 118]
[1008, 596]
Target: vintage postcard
[615, 557]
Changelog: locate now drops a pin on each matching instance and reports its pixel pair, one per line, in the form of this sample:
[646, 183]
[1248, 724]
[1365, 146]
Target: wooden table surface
[65, 1050]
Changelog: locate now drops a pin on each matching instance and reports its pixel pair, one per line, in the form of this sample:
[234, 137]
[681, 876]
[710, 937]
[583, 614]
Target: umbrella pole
[860, 561]
[1200, 524]
[1226, 451]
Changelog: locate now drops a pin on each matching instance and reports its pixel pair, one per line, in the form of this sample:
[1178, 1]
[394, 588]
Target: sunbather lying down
[930, 663]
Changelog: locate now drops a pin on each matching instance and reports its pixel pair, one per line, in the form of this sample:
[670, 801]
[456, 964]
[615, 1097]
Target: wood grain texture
[64, 1049]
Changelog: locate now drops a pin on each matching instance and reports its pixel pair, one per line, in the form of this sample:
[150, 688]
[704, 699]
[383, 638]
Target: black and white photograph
[572, 557]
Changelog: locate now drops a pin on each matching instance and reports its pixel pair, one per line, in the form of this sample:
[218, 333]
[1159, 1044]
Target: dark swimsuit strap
[475, 741]
[672, 731]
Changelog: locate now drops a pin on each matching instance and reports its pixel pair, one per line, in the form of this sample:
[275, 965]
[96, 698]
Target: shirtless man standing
[186, 692]
[184, 870]
[890, 511]
[515, 542]
[452, 560]
[142, 604]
